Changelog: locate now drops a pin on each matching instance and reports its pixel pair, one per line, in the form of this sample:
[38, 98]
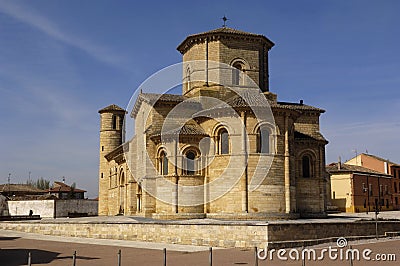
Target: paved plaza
[56, 250]
[49, 250]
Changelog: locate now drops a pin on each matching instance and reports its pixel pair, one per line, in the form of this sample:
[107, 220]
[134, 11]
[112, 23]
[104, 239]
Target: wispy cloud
[44, 96]
[365, 128]
[358, 128]
[41, 23]
[376, 137]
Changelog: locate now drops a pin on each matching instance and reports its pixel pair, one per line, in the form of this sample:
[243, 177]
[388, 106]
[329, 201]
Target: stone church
[225, 148]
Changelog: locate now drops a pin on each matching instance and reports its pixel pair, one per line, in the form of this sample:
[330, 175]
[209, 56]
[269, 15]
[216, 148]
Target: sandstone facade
[205, 166]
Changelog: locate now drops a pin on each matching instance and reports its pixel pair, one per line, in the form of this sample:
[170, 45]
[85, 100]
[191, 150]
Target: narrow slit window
[190, 163]
[223, 142]
[306, 165]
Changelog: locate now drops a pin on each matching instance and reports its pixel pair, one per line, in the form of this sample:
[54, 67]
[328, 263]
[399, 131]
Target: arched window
[114, 122]
[264, 142]
[163, 163]
[190, 168]
[236, 73]
[306, 166]
[223, 141]
[122, 179]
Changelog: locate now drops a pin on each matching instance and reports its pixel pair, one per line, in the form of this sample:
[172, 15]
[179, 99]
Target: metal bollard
[29, 259]
[210, 259]
[165, 256]
[119, 257]
[256, 256]
[351, 257]
[74, 259]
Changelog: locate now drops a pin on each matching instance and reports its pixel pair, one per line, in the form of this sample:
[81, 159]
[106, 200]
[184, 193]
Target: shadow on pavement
[6, 238]
[16, 257]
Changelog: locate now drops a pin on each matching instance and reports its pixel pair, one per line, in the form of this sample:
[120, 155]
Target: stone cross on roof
[224, 18]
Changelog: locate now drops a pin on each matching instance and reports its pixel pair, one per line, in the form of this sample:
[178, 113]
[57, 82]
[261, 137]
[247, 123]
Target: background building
[60, 200]
[359, 189]
[63, 191]
[21, 191]
[382, 166]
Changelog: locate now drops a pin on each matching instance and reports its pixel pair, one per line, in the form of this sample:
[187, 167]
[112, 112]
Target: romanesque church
[224, 148]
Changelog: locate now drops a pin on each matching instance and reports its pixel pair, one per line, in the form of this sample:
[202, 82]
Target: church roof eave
[221, 33]
[152, 98]
[185, 130]
[112, 108]
[118, 151]
[299, 136]
[348, 168]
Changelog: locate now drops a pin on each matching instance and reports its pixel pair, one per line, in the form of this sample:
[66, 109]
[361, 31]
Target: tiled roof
[20, 188]
[248, 98]
[301, 136]
[61, 187]
[152, 98]
[296, 106]
[223, 31]
[347, 168]
[111, 108]
[253, 98]
[185, 130]
[118, 151]
[227, 30]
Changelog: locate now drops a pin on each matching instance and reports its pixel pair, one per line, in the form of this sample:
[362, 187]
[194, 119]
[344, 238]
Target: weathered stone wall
[64, 207]
[216, 235]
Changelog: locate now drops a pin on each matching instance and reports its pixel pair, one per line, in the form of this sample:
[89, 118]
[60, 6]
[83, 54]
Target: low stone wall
[231, 234]
[189, 234]
[44, 208]
[82, 206]
[295, 234]
[53, 208]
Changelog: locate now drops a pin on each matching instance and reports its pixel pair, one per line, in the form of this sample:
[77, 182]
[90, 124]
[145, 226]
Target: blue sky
[61, 61]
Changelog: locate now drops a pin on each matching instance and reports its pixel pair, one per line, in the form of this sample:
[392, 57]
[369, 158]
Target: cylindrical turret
[111, 136]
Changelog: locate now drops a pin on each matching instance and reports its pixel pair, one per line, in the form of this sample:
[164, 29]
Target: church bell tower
[203, 53]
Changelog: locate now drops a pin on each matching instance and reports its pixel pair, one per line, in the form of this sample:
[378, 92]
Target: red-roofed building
[358, 189]
[63, 191]
[383, 166]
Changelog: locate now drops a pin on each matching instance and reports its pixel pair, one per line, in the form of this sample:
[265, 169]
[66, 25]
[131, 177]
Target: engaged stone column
[287, 166]
[244, 179]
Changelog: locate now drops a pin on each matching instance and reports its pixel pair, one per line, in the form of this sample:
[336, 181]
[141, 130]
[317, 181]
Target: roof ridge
[380, 158]
[352, 168]
[185, 44]
[226, 30]
[111, 107]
